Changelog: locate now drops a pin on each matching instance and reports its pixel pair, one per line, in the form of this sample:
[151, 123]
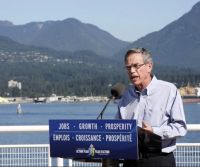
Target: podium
[93, 140]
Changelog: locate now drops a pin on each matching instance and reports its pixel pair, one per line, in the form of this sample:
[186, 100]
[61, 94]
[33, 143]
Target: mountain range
[66, 35]
[177, 44]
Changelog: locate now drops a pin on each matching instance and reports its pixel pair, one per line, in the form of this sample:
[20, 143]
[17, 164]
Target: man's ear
[150, 67]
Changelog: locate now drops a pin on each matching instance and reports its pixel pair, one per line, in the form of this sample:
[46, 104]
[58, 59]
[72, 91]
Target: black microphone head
[117, 90]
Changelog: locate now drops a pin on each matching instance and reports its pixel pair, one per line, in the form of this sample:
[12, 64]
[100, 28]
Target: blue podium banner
[116, 139]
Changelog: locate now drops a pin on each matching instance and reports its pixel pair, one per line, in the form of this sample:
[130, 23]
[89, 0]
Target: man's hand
[146, 127]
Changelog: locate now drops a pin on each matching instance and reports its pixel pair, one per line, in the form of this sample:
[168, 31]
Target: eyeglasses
[135, 66]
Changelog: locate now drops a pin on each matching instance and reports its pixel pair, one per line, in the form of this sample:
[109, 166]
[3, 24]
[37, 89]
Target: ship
[39, 100]
[191, 99]
[190, 94]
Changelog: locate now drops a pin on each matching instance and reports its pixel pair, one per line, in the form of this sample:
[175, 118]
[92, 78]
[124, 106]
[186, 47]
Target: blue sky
[125, 19]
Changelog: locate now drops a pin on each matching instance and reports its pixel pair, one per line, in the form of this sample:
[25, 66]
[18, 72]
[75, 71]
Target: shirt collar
[152, 85]
[149, 89]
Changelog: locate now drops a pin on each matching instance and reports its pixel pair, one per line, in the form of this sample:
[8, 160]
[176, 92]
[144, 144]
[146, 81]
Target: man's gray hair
[147, 58]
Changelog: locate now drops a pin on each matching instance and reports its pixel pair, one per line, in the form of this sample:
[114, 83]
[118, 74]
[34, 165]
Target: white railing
[25, 155]
[25, 128]
[187, 154]
[45, 128]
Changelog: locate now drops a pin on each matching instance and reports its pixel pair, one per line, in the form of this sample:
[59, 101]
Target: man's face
[139, 73]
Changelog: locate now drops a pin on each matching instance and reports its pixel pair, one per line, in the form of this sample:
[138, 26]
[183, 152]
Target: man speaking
[156, 105]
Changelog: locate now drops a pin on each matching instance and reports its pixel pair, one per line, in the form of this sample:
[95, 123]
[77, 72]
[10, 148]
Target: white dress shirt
[160, 105]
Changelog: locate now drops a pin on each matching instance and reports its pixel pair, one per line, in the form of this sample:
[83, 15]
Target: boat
[39, 100]
[190, 94]
[191, 99]
[19, 110]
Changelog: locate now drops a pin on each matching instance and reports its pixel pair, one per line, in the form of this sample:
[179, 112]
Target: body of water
[40, 114]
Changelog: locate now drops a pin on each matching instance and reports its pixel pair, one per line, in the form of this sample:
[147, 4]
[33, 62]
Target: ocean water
[40, 114]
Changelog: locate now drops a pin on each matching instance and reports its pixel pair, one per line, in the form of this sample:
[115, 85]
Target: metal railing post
[49, 158]
[60, 162]
[70, 162]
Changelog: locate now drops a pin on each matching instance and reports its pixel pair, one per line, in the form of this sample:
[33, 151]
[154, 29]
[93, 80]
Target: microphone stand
[116, 92]
[102, 112]
[107, 162]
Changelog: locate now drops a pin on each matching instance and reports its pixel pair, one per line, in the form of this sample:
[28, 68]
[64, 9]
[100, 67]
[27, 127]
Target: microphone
[116, 92]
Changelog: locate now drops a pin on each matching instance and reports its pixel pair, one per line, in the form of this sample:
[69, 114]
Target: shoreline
[61, 99]
[52, 99]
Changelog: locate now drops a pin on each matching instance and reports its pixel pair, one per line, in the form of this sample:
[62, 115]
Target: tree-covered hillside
[43, 79]
[44, 71]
